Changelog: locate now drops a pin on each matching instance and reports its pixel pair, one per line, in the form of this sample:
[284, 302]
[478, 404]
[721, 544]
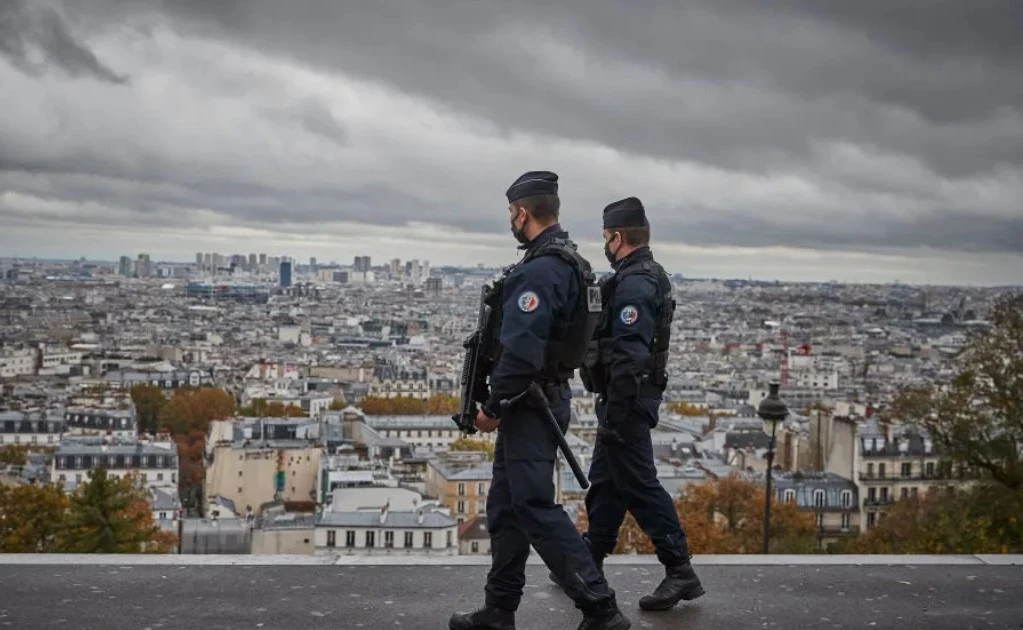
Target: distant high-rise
[395, 266]
[262, 259]
[285, 274]
[124, 268]
[198, 260]
[144, 267]
[312, 261]
[362, 263]
[252, 261]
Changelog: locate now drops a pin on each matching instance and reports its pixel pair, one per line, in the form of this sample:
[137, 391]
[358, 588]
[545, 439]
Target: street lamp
[772, 410]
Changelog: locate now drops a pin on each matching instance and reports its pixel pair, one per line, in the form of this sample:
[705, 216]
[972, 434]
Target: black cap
[533, 183]
[625, 213]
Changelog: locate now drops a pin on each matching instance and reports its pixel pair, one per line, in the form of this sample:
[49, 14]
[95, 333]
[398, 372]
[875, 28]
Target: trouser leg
[605, 505]
[509, 543]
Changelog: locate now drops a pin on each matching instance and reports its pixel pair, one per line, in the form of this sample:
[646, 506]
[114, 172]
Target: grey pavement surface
[267, 597]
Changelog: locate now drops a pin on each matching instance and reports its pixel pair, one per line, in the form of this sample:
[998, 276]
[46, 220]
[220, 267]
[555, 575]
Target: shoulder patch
[528, 301]
[629, 315]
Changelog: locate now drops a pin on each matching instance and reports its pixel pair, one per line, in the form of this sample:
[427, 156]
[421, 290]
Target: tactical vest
[595, 372]
[566, 346]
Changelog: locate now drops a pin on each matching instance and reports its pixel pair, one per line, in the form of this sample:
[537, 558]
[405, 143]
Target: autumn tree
[261, 408]
[149, 401]
[109, 515]
[193, 410]
[32, 518]
[469, 444]
[337, 405]
[438, 404]
[944, 521]
[14, 455]
[685, 409]
[726, 516]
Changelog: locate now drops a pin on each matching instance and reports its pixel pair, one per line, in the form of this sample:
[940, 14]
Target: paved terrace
[309, 593]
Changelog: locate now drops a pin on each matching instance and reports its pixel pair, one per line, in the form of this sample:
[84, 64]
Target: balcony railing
[936, 476]
[878, 501]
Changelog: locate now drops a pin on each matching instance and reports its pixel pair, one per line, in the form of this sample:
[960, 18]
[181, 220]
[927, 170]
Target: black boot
[485, 618]
[679, 584]
[614, 620]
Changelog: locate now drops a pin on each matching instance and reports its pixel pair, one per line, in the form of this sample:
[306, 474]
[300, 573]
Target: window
[460, 507]
[845, 521]
[481, 489]
[461, 489]
[870, 470]
[428, 540]
[871, 519]
[847, 499]
[930, 469]
[371, 539]
[884, 494]
[388, 539]
[912, 492]
[907, 469]
[408, 540]
[818, 498]
[789, 495]
[349, 539]
[332, 538]
[820, 521]
[880, 471]
[905, 493]
[451, 539]
[474, 547]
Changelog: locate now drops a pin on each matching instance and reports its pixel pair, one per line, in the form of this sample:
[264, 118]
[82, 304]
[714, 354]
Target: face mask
[610, 255]
[519, 233]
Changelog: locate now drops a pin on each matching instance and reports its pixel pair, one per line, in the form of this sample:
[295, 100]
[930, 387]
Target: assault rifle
[476, 367]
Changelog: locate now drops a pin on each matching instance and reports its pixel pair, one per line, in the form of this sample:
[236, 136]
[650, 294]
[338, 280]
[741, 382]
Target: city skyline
[860, 144]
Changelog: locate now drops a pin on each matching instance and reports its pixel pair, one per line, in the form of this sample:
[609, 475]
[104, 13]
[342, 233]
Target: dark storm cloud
[907, 118]
[741, 84]
[24, 28]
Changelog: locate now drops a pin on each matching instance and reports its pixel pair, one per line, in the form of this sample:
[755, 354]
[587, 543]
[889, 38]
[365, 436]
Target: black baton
[536, 396]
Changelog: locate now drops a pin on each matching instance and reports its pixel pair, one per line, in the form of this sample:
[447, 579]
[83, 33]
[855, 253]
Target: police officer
[627, 369]
[540, 298]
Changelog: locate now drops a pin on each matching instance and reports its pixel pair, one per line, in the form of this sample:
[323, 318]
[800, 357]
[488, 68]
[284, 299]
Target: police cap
[533, 183]
[627, 212]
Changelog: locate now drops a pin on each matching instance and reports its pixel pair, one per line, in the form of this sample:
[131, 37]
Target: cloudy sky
[867, 141]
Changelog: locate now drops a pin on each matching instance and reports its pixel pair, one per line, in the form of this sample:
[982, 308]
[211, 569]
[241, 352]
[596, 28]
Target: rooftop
[934, 592]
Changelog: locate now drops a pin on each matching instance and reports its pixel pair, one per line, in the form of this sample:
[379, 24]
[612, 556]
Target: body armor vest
[566, 346]
[596, 365]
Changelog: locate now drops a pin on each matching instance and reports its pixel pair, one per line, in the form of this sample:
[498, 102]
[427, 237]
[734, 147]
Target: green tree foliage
[105, 516]
[14, 454]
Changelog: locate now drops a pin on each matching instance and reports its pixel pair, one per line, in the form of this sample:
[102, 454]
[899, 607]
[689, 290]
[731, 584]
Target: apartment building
[155, 462]
[897, 462]
[14, 363]
[31, 428]
[432, 432]
[460, 482]
[426, 530]
[833, 500]
[118, 423]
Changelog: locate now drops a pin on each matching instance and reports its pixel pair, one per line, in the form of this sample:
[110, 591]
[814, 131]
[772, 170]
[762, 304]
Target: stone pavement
[120, 593]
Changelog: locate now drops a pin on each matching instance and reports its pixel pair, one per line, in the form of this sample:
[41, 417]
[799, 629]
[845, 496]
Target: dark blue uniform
[520, 507]
[622, 472]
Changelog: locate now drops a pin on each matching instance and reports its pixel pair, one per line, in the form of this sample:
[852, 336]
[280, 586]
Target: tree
[469, 444]
[14, 454]
[149, 401]
[32, 518]
[944, 521]
[976, 419]
[685, 409]
[438, 404]
[337, 405]
[726, 516]
[193, 410]
[109, 515]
